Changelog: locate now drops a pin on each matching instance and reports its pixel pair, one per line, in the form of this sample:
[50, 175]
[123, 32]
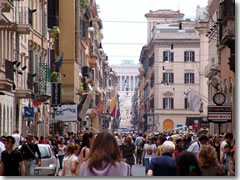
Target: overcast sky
[124, 40]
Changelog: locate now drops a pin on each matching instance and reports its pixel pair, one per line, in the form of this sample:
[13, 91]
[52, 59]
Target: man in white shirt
[227, 140]
[2, 148]
[195, 147]
[17, 137]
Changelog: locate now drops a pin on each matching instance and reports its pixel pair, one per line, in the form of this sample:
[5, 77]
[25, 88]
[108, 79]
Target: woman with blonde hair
[104, 158]
[208, 161]
[70, 161]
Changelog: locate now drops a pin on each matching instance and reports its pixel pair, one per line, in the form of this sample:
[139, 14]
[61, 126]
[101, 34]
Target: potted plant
[84, 3]
[54, 32]
[93, 60]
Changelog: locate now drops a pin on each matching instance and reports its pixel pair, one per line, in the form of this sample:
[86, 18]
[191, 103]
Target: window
[186, 104]
[189, 56]
[83, 28]
[168, 103]
[168, 77]
[189, 78]
[168, 56]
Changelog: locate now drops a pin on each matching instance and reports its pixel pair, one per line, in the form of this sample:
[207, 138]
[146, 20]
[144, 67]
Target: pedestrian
[87, 140]
[159, 147]
[28, 151]
[128, 151]
[12, 161]
[139, 148]
[71, 140]
[17, 137]
[226, 160]
[41, 141]
[61, 152]
[195, 147]
[2, 148]
[104, 158]
[164, 165]
[149, 151]
[70, 161]
[208, 161]
[216, 145]
[187, 164]
[178, 149]
[227, 140]
[35, 139]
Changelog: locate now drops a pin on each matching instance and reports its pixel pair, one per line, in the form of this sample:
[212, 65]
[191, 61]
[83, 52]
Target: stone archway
[168, 125]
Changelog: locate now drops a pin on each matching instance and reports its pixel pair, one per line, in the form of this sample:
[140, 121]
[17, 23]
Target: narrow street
[138, 170]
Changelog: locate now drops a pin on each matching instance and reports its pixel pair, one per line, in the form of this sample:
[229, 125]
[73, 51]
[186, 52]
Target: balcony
[210, 70]
[23, 93]
[24, 28]
[7, 5]
[42, 90]
[227, 18]
[42, 87]
[6, 82]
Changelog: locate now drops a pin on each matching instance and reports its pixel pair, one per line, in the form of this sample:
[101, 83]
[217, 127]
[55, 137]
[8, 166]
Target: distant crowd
[114, 154]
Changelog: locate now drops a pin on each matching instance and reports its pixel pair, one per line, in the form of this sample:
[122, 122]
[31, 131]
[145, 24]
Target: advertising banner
[67, 113]
[28, 112]
[150, 120]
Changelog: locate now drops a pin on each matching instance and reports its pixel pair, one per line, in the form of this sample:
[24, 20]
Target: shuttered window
[189, 78]
[168, 103]
[189, 56]
[168, 56]
[168, 77]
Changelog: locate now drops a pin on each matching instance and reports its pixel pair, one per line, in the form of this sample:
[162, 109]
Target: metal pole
[219, 128]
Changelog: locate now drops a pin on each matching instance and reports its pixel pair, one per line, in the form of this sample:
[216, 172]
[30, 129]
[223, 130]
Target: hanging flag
[112, 104]
[58, 62]
[100, 108]
[194, 101]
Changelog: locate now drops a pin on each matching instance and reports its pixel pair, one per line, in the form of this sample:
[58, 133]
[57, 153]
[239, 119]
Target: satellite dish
[215, 81]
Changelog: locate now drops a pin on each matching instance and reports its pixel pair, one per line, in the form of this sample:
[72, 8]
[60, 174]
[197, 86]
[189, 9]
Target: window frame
[168, 77]
[189, 78]
[168, 56]
[168, 103]
[189, 56]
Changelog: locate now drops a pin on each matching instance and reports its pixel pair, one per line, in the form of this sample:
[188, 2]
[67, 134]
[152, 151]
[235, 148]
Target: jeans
[146, 163]
[60, 157]
[29, 167]
[139, 156]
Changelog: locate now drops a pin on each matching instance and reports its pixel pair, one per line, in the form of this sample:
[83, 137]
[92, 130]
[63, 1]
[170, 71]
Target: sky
[125, 27]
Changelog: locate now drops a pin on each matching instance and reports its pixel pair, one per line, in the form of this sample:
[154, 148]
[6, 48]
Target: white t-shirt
[61, 151]
[17, 138]
[67, 161]
[2, 148]
[224, 143]
[150, 150]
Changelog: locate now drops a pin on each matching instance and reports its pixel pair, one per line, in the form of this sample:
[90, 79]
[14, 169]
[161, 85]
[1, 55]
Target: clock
[219, 98]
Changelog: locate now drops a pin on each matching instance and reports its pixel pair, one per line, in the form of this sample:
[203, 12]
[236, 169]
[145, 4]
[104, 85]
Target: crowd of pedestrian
[114, 154]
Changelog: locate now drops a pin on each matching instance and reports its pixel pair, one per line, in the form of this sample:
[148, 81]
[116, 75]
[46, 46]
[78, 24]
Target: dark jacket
[163, 165]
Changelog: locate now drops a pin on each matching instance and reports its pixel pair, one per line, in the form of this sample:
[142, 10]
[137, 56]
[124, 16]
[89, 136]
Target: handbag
[37, 159]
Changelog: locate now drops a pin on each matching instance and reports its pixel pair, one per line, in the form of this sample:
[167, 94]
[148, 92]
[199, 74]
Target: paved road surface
[137, 170]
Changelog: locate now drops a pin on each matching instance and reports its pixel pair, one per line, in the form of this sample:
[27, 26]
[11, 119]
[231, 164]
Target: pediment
[168, 93]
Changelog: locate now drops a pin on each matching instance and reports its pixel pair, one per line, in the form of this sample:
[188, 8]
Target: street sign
[28, 112]
[196, 126]
[219, 114]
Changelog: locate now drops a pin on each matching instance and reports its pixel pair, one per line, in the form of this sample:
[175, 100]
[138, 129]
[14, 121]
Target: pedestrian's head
[187, 164]
[70, 149]
[9, 142]
[207, 156]
[203, 139]
[29, 138]
[104, 148]
[128, 139]
[227, 148]
[168, 147]
[150, 140]
[87, 140]
[228, 137]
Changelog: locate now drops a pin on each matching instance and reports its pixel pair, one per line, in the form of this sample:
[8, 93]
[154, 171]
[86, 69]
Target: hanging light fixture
[91, 28]
[100, 49]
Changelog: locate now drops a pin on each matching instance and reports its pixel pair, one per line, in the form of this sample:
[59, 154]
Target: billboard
[67, 113]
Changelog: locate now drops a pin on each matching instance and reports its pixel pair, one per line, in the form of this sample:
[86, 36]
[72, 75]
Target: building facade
[127, 78]
[171, 68]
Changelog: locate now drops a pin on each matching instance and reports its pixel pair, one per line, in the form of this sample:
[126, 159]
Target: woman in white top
[70, 161]
[149, 151]
[61, 152]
